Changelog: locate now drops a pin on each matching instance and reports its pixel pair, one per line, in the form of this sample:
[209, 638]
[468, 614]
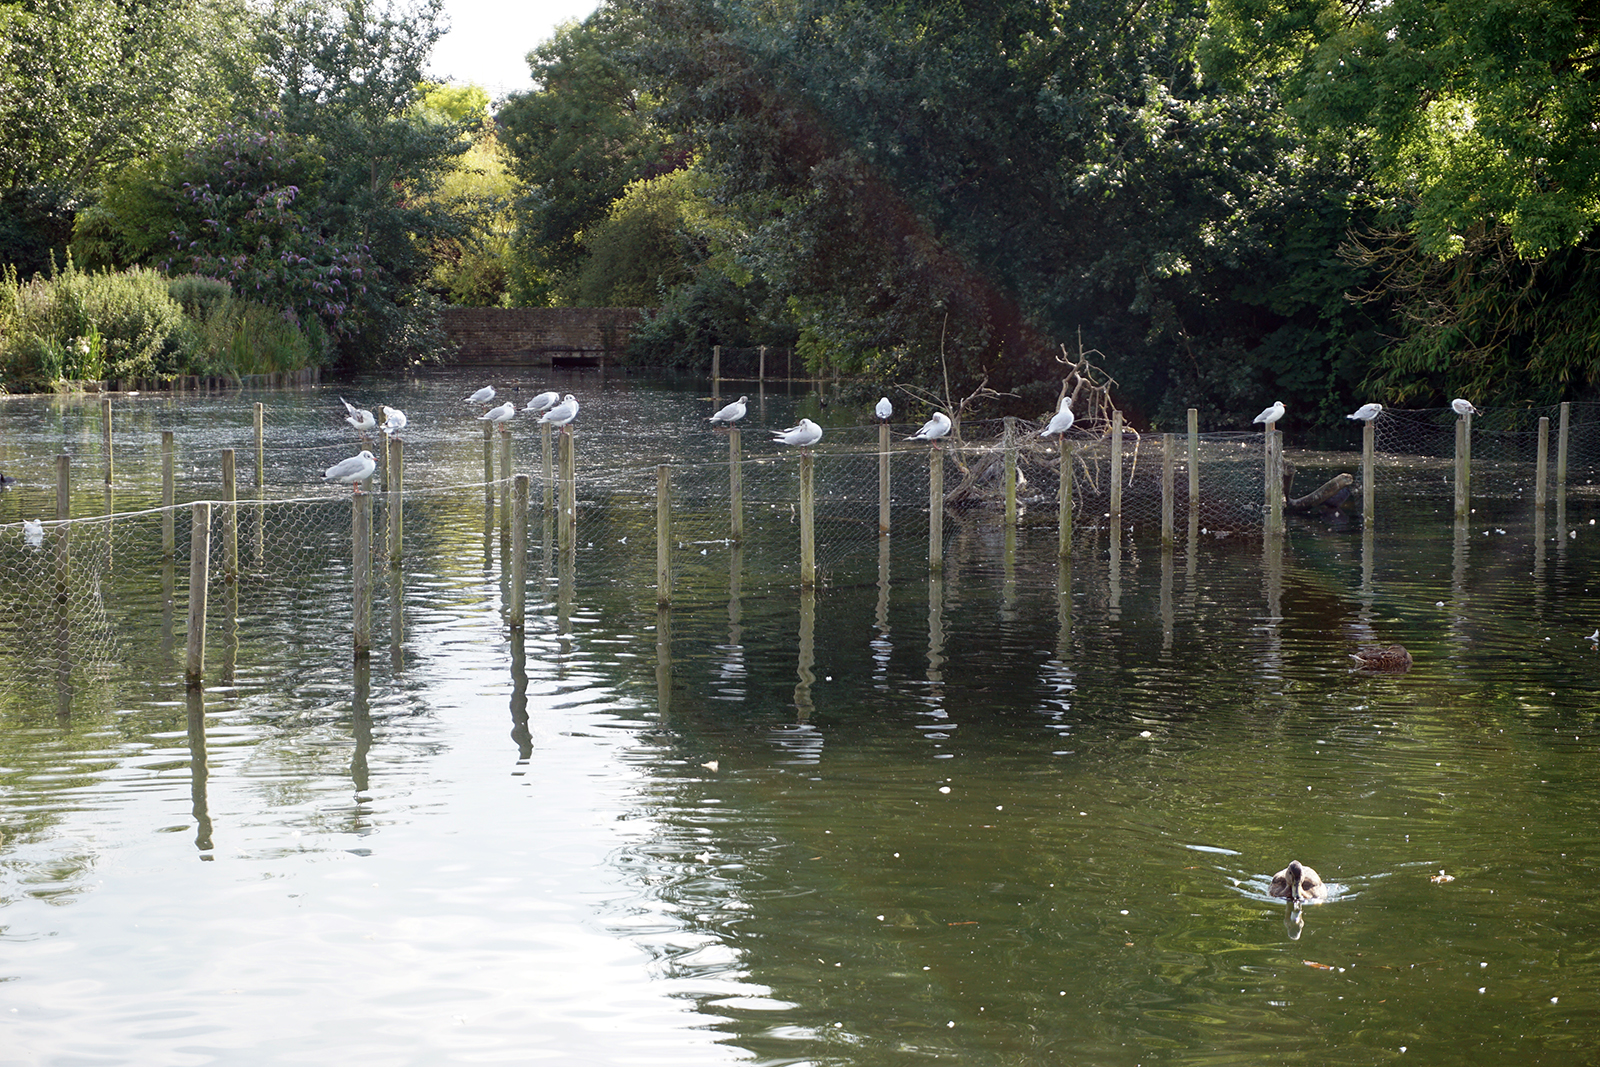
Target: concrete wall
[521, 337]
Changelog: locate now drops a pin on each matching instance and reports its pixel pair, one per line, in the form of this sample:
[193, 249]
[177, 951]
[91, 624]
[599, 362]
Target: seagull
[563, 413]
[1271, 415]
[1463, 407]
[352, 471]
[805, 434]
[482, 396]
[731, 413]
[933, 429]
[394, 420]
[1366, 412]
[33, 532]
[360, 418]
[543, 402]
[501, 415]
[884, 409]
[1061, 421]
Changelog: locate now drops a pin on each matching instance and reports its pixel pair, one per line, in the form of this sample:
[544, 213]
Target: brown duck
[1298, 883]
[1382, 658]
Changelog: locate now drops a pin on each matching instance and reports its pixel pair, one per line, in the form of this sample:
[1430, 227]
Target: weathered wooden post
[663, 535]
[169, 533]
[716, 373]
[230, 516]
[259, 537]
[1067, 456]
[1463, 493]
[761, 366]
[105, 422]
[568, 516]
[1274, 477]
[261, 443]
[808, 542]
[883, 478]
[519, 552]
[1168, 446]
[505, 484]
[1561, 456]
[1116, 474]
[935, 509]
[1541, 466]
[1369, 447]
[383, 459]
[396, 499]
[1011, 470]
[1194, 458]
[549, 468]
[735, 485]
[199, 579]
[488, 464]
[361, 573]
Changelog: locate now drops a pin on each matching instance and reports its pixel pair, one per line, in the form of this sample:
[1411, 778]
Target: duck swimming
[1298, 883]
[1382, 658]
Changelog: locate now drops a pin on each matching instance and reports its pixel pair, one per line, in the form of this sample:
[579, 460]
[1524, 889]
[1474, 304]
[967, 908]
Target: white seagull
[360, 418]
[1463, 407]
[482, 396]
[501, 415]
[543, 402]
[733, 412]
[1061, 421]
[352, 471]
[394, 420]
[33, 532]
[1366, 412]
[805, 433]
[563, 413]
[933, 429]
[1271, 415]
[884, 409]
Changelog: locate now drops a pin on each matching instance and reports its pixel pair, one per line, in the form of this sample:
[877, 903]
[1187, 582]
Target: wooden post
[1369, 437]
[1194, 458]
[1168, 446]
[519, 551]
[199, 578]
[663, 535]
[361, 573]
[761, 366]
[1011, 470]
[1116, 475]
[883, 479]
[1274, 477]
[63, 487]
[397, 481]
[1064, 497]
[105, 422]
[505, 483]
[936, 509]
[716, 373]
[230, 516]
[548, 468]
[808, 542]
[1461, 497]
[735, 485]
[1561, 454]
[488, 464]
[569, 491]
[169, 533]
[383, 460]
[261, 444]
[1541, 466]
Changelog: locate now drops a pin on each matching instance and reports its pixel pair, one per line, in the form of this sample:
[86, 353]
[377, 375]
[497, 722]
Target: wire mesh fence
[282, 564]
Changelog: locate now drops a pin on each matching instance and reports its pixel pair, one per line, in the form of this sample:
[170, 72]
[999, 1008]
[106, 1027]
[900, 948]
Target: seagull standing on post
[1366, 412]
[360, 418]
[562, 414]
[933, 429]
[543, 402]
[805, 433]
[1463, 407]
[501, 415]
[394, 420]
[1271, 415]
[1061, 421]
[352, 471]
[884, 409]
[731, 413]
[482, 396]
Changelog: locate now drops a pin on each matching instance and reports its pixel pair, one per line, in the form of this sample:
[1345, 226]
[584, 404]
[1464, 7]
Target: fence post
[505, 483]
[199, 579]
[716, 372]
[261, 443]
[1116, 474]
[230, 518]
[808, 544]
[569, 490]
[1463, 435]
[488, 464]
[1194, 458]
[1011, 470]
[1541, 466]
[549, 476]
[397, 479]
[936, 509]
[735, 484]
[883, 478]
[1369, 446]
[1168, 446]
[169, 533]
[1561, 453]
[663, 535]
[1064, 497]
[519, 551]
[1274, 477]
[361, 573]
[105, 420]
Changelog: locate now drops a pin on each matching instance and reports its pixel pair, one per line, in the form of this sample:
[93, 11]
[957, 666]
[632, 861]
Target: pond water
[1010, 815]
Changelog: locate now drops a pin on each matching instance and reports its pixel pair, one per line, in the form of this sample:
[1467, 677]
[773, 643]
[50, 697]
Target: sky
[489, 38]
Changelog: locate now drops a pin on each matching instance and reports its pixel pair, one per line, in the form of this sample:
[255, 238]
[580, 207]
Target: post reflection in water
[1114, 576]
[360, 726]
[198, 772]
[169, 585]
[397, 617]
[936, 642]
[808, 636]
[1167, 621]
[230, 632]
[488, 534]
[733, 665]
[519, 698]
[63, 636]
[1272, 589]
[664, 662]
[564, 591]
[1458, 584]
[882, 646]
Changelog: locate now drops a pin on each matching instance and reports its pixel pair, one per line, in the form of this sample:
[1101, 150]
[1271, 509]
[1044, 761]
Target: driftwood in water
[980, 485]
[1329, 496]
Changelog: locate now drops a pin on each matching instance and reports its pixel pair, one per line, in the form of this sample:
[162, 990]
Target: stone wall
[521, 337]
